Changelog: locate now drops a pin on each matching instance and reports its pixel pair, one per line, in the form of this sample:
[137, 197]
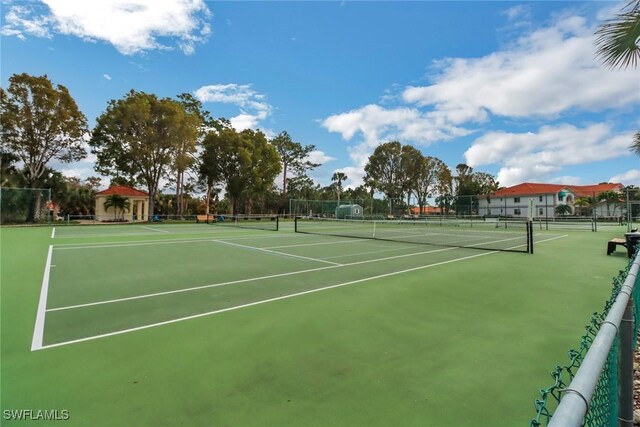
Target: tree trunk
[178, 210]
[284, 178]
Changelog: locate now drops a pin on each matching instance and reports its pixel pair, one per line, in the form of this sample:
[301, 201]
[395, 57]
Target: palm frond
[635, 147]
[617, 39]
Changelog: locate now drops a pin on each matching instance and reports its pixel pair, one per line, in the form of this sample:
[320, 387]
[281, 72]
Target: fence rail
[596, 387]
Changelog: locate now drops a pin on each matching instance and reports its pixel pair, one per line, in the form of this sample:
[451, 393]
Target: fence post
[625, 367]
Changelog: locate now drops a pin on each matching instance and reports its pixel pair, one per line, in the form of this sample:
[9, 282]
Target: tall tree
[428, 180]
[39, 123]
[293, 156]
[411, 163]
[265, 166]
[184, 157]
[139, 136]
[338, 178]
[243, 162]
[384, 170]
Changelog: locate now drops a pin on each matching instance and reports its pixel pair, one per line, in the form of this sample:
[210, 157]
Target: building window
[539, 198]
[516, 199]
[516, 211]
[560, 197]
[540, 211]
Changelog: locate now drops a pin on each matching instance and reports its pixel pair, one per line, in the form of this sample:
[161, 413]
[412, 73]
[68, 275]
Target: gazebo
[138, 201]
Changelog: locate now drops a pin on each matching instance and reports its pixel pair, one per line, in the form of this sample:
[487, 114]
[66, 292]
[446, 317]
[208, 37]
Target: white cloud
[319, 157]
[630, 177]
[535, 156]
[131, 26]
[106, 76]
[520, 11]
[253, 105]
[378, 124]
[546, 73]
[20, 21]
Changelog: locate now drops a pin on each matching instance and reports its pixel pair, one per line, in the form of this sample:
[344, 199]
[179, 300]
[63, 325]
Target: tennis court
[355, 330]
[147, 283]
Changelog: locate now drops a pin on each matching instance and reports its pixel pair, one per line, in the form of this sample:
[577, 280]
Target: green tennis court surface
[198, 324]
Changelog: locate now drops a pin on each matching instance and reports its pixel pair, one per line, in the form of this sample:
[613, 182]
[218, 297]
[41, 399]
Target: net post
[295, 224]
[277, 223]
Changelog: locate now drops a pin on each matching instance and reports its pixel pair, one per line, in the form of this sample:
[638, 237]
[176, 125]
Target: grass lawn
[366, 333]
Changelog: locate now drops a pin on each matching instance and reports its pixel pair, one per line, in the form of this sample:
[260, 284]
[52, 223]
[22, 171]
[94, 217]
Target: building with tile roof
[138, 200]
[545, 198]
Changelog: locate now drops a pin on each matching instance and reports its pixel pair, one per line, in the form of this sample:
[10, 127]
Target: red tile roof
[122, 190]
[529, 188]
[427, 210]
[590, 190]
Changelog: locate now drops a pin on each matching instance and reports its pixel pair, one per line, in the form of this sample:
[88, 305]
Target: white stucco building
[138, 202]
[514, 201]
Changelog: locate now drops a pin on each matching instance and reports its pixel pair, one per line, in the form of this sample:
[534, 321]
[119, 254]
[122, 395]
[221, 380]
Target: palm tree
[635, 147]
[339, 178]
[563, 210]
[618, 45]
[582, 203]
[117, 202]
[617, 39]
[609, 198]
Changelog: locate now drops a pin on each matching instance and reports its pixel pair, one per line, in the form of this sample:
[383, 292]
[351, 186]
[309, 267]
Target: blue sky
[510, 88]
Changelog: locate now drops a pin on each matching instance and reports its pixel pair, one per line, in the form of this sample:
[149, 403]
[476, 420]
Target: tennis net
[513, 236]
[258, 222]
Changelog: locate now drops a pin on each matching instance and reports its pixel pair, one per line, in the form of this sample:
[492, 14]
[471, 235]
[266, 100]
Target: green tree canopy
[384, 170]
[138, 136]
[432, 171]
[39, 123]
[245, 163]
[293, 156]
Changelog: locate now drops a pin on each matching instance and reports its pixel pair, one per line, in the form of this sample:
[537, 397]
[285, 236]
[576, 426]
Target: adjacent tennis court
[262, 327]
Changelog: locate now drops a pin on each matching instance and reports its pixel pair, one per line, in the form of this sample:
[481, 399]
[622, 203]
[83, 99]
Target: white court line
[271, 299]
[38, 330]
[272, 276]
[233, 282]
[317, 244]
[253, 248]
[154, 229]
[70, 246]
[164, 241]
[283, 297]
[401, 248]
[53, 233]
